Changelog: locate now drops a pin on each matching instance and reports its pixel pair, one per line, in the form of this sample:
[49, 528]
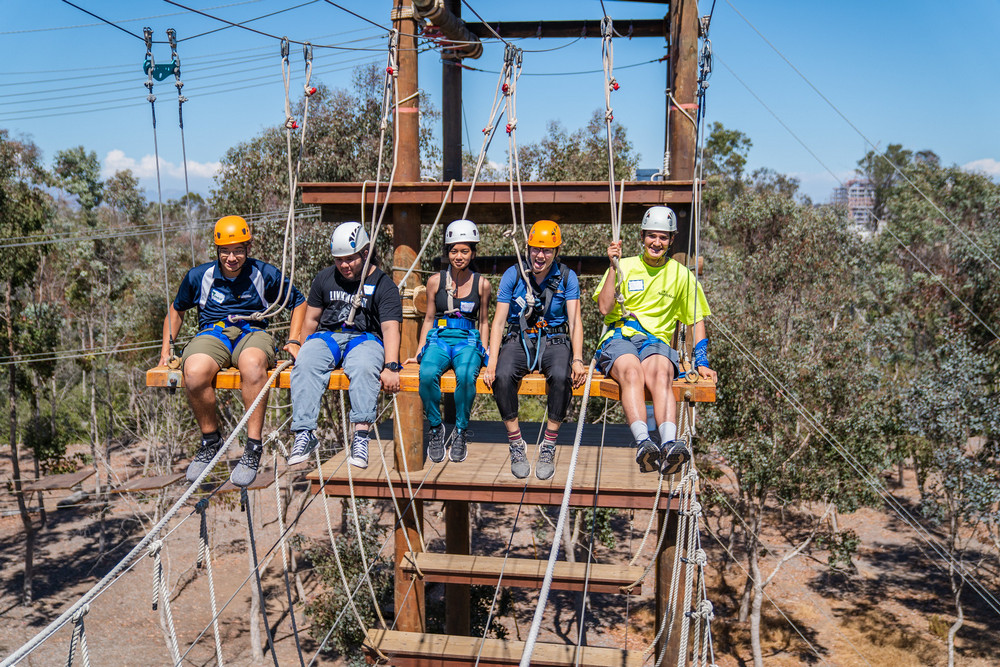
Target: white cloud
[987, 166]
[145, 167]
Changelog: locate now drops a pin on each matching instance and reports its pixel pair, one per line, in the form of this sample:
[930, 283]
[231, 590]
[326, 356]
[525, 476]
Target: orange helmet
[232, 229]
[545, 234]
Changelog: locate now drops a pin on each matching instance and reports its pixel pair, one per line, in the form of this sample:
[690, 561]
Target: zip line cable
[135, 20]
[885, 224]
[861, 134]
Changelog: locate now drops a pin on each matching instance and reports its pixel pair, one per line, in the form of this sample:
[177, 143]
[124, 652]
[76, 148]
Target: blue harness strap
[217, 330]
[454, 323]
[633, 323]
[331, 342]
[451, 349]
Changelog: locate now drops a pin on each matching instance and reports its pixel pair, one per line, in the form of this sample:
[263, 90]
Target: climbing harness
[217, 330]
[532, 329]
[331, 341]
[452, 316]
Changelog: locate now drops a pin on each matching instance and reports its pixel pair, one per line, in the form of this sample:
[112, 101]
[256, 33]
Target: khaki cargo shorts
[215, 348]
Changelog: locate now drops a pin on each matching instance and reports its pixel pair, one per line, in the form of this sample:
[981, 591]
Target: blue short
[614, 348]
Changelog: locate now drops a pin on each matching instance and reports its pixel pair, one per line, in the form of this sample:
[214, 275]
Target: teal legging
[436, 361]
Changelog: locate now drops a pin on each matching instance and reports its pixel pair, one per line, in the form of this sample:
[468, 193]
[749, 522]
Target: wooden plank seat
[144, 484]
[409, 379]
[58, 482]
[520, 572]
[265, 478]
[414, 649]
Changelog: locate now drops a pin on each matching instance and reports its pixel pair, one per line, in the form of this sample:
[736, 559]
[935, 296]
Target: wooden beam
[561, 29]
[522, 572]
[145, 484]
[411, 649]
[58, 482]
[532, 385]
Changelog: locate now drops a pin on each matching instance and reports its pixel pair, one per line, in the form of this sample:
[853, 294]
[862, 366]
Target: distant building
[858, 197]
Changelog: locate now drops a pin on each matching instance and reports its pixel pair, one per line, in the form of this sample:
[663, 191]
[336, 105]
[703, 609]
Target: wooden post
[408, 441]
[683, 59]
[456, 512]
[664, 573]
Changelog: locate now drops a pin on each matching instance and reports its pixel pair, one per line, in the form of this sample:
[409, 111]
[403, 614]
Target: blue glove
[701, 353]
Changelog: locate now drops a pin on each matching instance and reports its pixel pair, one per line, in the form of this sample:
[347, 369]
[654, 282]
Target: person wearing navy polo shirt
[234, 284]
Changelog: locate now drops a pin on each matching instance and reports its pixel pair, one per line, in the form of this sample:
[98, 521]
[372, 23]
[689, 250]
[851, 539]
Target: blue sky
[915, 73]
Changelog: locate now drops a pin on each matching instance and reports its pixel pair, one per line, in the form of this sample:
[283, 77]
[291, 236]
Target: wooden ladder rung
[414, 649]
[533, 384]
[520, 572]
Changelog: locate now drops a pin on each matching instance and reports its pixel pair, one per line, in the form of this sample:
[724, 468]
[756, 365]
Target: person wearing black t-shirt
[368, 351]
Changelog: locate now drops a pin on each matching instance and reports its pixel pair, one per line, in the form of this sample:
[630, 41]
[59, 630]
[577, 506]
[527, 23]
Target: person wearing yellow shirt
[657, 293]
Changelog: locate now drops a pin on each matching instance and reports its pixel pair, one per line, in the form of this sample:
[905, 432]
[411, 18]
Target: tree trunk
[757, 603]
[22, 507]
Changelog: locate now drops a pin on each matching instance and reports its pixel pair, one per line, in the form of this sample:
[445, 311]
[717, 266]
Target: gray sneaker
[647, 455]
[305, 443]
[245, 471]
[459, 447]
[519, 466]
[359, 451]
[206, 452]
[675, 455]
[435, 443]
[545, 466]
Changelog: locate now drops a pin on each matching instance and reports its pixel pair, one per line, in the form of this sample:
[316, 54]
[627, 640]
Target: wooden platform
[145, 484]
[413, 649]
[265, 478]
[485, 477]
[58, 482]
[409, 379]
[520, 572]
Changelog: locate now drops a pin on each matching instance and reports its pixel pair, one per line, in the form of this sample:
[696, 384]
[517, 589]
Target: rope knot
[310, 90]
[81, 612]
[291, 124]
[700, 558]
[511, 127]
[154, 548]
[201, 505]
[505, 89]
[609, 116]
[390, 70]
[613, 84]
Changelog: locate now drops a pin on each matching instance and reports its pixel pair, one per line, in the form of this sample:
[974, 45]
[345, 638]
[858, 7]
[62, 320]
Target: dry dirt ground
[891, 612]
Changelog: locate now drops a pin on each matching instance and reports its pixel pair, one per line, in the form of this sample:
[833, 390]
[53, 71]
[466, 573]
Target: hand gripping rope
[294, 169]
[390, 105]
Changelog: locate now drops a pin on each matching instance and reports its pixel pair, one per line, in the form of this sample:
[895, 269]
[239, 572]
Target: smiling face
[655, 245]
[232, 257]
[540, 259]
[350, 267]
[460, 255]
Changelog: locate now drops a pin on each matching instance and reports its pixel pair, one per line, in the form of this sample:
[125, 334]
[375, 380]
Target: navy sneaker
[435, 443]
[674, 455]
[647, 455]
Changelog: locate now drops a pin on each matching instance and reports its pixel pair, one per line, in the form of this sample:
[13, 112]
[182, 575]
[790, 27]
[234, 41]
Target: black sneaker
[647, 455]
[459, 447]
[305, 443]
[206, 452]
[245, 471]
[545, 467]
[435, 443]
[674, 455]
[359, 450]
[519, 466]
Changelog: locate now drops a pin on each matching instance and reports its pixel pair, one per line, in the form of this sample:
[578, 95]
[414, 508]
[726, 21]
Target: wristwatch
[393, 366]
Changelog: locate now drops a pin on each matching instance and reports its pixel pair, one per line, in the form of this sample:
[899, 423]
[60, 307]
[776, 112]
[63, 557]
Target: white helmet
[347, 239]
[461, 231]
[659, 219]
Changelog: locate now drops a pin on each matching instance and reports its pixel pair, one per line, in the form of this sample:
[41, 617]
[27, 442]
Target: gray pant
[311, 377]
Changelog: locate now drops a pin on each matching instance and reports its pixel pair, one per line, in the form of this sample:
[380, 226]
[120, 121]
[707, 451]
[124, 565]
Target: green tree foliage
[581, 155]
[725, 157]
[78, 171]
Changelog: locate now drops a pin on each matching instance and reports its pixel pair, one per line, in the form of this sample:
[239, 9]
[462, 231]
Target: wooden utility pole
[408, 441]
[682, 135]
[456, 512]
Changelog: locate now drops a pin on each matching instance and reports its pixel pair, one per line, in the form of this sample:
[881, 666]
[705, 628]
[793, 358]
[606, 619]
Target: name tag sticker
[636, 285]
[519, 301]
[216, 296]
[466, 306]
[369, 289]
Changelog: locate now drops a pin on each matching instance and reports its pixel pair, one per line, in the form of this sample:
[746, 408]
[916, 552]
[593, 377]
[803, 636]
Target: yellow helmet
[545, 234]
[232, 229]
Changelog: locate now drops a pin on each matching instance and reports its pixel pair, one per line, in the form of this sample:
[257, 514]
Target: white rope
[543, 595]
[205, 557]
[160, 588]
[391, 90]
[430, 235]
[55, 625]
[79, 638]
[497, 109]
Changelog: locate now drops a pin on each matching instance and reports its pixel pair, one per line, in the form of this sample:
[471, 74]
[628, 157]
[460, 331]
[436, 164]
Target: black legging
[512, 365]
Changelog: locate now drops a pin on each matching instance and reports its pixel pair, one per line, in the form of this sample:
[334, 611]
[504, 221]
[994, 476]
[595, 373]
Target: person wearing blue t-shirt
[544, 331]
[234, 284]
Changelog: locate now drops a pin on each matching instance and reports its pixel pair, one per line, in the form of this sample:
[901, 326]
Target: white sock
[639, 431]
[668, 431]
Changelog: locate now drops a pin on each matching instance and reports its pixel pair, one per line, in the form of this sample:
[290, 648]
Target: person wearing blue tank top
[454, 335]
